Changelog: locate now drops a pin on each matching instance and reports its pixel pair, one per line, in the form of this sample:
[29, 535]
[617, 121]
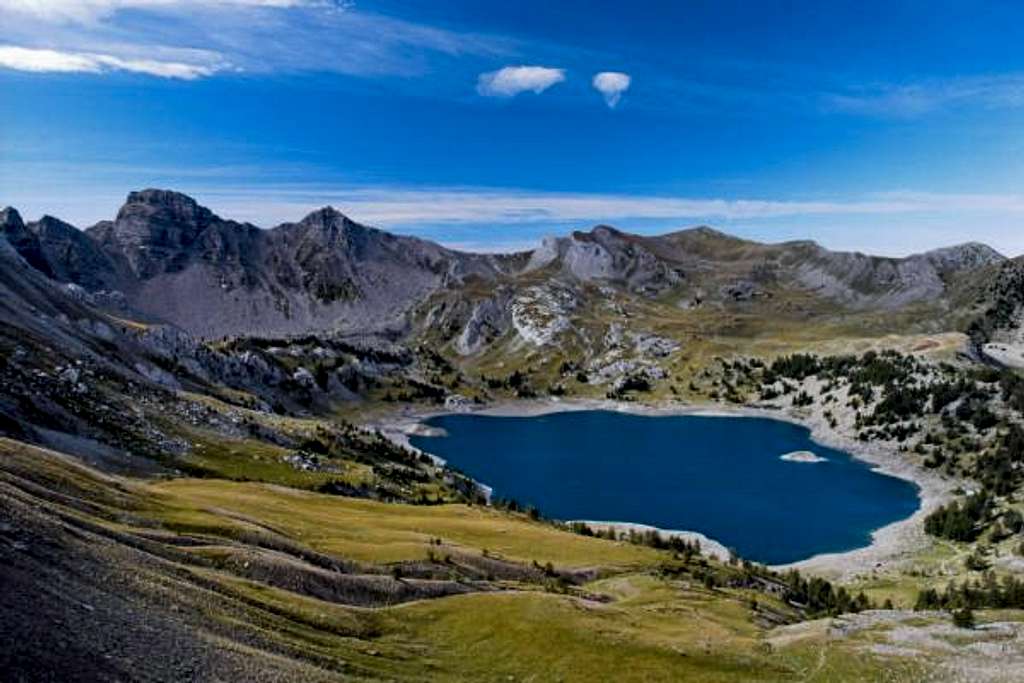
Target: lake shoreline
[891, 544]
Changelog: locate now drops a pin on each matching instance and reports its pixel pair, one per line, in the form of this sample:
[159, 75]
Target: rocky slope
[997, 333]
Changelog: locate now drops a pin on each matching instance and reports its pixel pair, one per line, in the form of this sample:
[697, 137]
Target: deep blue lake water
[721, 476]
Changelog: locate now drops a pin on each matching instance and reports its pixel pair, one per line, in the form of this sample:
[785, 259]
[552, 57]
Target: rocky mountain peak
[24, 241]
[167, 203]
[702, 241]
[156, 229]
[708, 231]
[161, 215]
[605, 254]
[703, 232]
[10, 219]
[329, 220]
[49, 224]
[603, 231]
[72, 256]
[325, 215]
[328, 227]
[967, 256]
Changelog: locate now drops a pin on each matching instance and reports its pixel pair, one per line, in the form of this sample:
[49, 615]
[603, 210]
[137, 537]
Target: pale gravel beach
[890, 545]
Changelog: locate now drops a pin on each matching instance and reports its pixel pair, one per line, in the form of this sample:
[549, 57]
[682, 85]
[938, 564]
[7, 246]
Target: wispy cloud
[895, 222]
[92, 10]
[911, 100]
[391, 206]
[267, 196]
[892, 223]
[513, 80]
[41, 60]
[611, 84]
[256, 36]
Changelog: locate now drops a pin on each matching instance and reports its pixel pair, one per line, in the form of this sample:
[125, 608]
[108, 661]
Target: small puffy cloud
[611, 84]
[39, 60]
[513, 80]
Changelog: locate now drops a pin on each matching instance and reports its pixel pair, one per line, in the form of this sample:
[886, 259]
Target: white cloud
[41, 60]
[612, 84]
[513, 80]
[92, 10]
[255, 36]
[24, 59]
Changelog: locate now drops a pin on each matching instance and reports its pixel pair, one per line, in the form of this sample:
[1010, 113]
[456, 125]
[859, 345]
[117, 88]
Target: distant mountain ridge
[178, 262]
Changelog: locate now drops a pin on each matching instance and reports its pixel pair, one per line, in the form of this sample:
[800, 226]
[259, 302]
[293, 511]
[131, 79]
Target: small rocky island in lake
[802, 456]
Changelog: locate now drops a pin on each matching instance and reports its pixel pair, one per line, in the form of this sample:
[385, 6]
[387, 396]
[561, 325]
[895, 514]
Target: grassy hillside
[371, 531]
[259, 578]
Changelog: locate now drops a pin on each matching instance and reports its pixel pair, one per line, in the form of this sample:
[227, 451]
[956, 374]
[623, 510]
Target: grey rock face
[342, 274]
[742, 290]
[605, 254]
[156, 231]
[964, 257]
[869, 281]
[72, 257]
[540, 314]
[24, 241]
[490, 319]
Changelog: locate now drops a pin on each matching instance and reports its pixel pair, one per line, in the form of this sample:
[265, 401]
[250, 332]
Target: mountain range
[166, 259]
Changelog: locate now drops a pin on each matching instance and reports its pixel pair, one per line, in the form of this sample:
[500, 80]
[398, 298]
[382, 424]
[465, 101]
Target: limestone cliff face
[607, 255]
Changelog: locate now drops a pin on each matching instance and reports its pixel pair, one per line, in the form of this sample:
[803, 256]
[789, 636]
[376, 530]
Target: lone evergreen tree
[964, 618]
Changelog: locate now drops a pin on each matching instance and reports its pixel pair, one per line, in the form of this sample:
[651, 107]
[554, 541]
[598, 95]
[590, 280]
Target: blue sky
[885, 127]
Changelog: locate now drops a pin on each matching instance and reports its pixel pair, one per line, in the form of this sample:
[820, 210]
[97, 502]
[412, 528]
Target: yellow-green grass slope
[628, 621]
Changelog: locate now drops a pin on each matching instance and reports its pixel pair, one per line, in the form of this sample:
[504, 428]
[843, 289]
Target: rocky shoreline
[890, 545]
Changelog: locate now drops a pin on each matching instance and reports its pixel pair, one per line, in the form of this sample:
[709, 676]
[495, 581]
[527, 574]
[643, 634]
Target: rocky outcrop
[607, 255]
[540, 314]
[23, 240]
[743, 290]
[71, 256]
[997, 333]
[489, 320]
[968, 256]
[158, 231]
